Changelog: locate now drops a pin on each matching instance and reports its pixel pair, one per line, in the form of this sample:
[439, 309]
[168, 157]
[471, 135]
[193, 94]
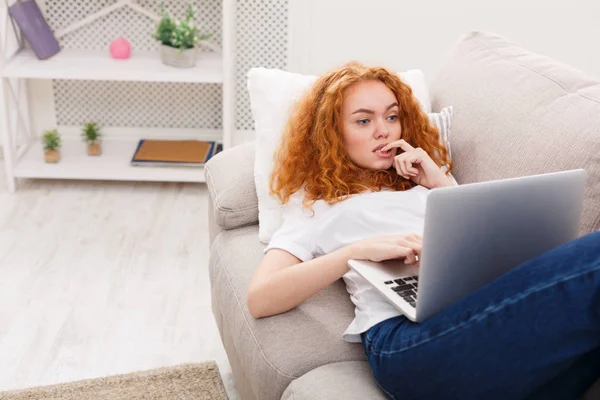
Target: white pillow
[273, 92]
[443, 121]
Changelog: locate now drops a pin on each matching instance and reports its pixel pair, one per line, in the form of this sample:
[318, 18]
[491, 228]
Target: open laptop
[476, 232]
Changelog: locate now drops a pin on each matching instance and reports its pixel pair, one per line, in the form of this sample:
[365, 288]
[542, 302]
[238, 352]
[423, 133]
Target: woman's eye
[362, 121]
[393, 117]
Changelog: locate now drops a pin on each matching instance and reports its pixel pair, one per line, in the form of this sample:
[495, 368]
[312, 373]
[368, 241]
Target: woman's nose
[381, 130]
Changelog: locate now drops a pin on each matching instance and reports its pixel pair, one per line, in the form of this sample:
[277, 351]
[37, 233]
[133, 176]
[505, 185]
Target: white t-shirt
[334, 226]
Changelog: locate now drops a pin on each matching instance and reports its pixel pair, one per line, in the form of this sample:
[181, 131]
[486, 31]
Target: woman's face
[369, 122]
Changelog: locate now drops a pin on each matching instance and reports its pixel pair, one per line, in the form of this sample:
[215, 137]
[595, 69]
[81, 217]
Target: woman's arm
[282, 281]
[450, 181]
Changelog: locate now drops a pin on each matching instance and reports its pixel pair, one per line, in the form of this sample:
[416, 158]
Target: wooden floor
[102, 278]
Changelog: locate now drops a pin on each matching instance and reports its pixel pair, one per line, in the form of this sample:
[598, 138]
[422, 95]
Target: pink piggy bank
[120, 49]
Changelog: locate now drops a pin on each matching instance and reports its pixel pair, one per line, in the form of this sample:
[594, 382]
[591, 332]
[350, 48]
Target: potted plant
[178, 39]
[91, 134]
[51, 142]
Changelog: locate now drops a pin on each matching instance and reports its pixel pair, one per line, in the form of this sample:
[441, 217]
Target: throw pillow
[443, 122]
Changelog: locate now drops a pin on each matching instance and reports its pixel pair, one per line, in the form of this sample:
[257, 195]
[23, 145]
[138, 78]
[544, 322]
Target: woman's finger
[413, 169]
[415, 257]
[413, 238]
[407, 166]
[413, 158]
[410, 166]
[403, 144]
[414, 245]
[417, 236]
[400, 167]
[403, 168]
[395, 164]
[409, 257]
[415, 242]
[402, 252]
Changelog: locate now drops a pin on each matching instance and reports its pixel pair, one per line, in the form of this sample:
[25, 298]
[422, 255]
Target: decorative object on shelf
[91, 134]
[51, 142]
[178, 39]
[34, 28]
[120, 49]
[174, 153]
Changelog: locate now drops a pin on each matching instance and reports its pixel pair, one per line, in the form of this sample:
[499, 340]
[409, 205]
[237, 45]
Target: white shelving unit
[112, 165]
[98, 66]
[27, 161]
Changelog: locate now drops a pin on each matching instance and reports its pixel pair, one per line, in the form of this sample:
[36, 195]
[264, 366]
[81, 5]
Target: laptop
[474, 233]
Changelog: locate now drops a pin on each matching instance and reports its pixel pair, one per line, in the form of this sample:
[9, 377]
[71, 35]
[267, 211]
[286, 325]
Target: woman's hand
[407, 246]
[415, 164]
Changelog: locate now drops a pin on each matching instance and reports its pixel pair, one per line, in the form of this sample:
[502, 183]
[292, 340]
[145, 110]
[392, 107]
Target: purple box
[28, 16]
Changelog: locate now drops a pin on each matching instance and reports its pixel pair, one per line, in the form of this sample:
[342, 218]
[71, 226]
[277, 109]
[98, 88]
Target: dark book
[28, 17]
[168, 153]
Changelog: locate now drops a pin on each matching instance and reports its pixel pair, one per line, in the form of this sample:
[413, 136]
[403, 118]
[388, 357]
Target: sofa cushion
[230, 179]
[594, 392]
[344, 380]
[518, 113]
[274, 351]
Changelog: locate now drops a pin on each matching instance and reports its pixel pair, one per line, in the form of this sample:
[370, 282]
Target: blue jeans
[533, 333]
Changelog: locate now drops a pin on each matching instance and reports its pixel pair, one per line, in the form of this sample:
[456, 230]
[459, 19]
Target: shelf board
[99, 65]
[113, 164]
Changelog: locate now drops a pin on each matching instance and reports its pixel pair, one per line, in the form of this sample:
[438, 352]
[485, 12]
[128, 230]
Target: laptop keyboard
[406, 288]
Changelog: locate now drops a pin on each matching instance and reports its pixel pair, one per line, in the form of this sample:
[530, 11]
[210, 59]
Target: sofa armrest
[230, 180]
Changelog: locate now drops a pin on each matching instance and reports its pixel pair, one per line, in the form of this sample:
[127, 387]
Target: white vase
[177, 58]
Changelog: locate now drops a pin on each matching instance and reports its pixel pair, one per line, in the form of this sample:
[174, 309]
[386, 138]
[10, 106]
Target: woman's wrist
[445, 182]
[354, 251]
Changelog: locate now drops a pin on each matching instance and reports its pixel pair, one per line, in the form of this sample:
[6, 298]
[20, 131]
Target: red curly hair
[312, 155]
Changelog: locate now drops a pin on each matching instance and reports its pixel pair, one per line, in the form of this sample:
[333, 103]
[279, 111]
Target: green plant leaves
[181, 34]
[91, 131]
[51, 140]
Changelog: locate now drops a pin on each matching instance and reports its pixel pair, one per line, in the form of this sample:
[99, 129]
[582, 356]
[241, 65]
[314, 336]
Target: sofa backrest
[518, 113]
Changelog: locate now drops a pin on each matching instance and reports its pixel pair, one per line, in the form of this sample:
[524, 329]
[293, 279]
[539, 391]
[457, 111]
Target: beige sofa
[515, 113]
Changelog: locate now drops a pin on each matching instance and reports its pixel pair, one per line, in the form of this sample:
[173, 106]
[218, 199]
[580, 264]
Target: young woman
[356, 163]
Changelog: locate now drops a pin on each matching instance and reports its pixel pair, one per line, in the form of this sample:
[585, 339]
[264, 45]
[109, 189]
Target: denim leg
[504, 341]
[577, 379]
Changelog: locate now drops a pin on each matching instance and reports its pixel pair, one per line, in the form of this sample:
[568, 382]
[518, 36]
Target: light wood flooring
[102, 278]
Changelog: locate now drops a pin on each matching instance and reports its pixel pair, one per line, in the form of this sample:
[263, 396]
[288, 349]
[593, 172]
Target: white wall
[405, 34]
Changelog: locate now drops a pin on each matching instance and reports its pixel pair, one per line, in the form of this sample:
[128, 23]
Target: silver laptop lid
[479, 231]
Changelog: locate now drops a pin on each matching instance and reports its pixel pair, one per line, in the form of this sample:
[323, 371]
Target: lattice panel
[261, 40]
[139, 104]
[137, 28]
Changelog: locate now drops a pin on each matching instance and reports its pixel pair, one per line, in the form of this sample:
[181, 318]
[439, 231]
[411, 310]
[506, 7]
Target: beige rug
[182, 382]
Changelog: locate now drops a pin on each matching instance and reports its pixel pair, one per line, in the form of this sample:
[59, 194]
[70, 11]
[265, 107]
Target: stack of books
[174, 153]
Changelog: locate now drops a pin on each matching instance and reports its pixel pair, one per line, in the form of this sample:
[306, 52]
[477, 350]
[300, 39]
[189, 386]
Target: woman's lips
[383, 154]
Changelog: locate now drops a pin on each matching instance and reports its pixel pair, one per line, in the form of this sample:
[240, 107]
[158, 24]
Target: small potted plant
[91, 134]
[51, 142]
[178, 39]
